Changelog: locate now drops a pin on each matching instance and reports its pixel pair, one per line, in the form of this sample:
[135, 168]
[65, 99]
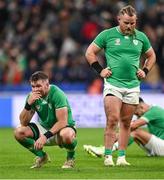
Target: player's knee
[19, 133]
[126, 125]
[112, 121]
[67, 136]
[110, 134]
[134, 134]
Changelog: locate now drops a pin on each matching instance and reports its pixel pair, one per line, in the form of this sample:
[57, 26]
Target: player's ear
[118, 18]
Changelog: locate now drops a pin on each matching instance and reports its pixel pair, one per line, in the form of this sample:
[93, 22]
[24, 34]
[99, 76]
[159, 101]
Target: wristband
[96, 66]
[48, 134]
[145, 70]
[27, 106]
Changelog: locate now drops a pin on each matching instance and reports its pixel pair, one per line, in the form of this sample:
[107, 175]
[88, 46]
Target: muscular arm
[137, 123]
[91, 56]
[91, 53]
[62, 117]
[26, 116]
[149, 63]
[150, 59]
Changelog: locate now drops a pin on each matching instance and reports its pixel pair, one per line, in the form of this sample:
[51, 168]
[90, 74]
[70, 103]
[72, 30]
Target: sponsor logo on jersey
[135, 42]
[117, 41]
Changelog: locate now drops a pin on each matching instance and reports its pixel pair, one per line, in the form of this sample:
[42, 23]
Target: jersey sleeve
[100, 39]
[146, 43]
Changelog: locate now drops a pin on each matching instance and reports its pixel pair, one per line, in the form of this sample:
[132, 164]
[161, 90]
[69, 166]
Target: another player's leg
[26, 136]
[142, 137]
[112, 114]
[126, 116]
[69, 142]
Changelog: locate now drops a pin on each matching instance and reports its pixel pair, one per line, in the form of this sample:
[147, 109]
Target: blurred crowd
[52, 35]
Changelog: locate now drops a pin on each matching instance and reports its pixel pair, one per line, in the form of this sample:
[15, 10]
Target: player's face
[40, 86]
[139, 110]
[127, 23]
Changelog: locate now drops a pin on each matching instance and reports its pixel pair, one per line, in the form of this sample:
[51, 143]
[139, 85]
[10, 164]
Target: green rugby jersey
[45, 107]
[122, 53]
[155, 121]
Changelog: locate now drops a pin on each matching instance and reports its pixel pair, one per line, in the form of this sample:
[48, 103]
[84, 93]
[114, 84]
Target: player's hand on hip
[40, 142]
[106, 73]
[141, 74]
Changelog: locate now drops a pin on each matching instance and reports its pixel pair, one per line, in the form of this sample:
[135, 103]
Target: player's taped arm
[97, 67]
[145, 70]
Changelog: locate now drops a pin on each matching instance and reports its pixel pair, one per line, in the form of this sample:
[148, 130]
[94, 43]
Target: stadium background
[52, 36]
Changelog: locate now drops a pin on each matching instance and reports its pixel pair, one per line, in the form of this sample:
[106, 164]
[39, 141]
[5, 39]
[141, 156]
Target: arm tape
[145, 70]
[27, 106]
[96, 66]
[48, 134]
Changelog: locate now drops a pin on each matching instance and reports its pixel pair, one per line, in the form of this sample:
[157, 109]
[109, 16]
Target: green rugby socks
[70, 149]
[29, 144]
[108, 152]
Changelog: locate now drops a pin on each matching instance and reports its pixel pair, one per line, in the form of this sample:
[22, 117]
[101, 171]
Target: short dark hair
[38, 75]
[140, 100]
[129, 10]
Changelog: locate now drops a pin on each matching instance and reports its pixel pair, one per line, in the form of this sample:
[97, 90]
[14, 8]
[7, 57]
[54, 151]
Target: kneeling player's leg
[69, 141]
[140, 136]
[26, 136]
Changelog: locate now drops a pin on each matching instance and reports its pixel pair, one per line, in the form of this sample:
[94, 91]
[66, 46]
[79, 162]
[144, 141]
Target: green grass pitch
[16, 160]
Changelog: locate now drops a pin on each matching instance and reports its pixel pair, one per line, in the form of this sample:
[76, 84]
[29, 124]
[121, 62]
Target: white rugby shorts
[155, 146]
[129, 96]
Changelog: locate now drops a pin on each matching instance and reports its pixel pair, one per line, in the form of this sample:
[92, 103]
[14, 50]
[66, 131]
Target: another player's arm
[91, 56]
[137, 123]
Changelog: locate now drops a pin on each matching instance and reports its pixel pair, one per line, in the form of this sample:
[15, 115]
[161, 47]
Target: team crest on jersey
[117, 41]
[135, 42]
[37, 107]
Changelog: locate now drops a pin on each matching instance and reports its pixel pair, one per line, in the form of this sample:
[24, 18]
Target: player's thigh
[112, 106]
[141, 135]
[127, 112]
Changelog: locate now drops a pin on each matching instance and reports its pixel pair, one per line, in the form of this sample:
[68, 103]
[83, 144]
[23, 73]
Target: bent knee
[19, 133]
[67, 135]
[135, 134]
[22, 132]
